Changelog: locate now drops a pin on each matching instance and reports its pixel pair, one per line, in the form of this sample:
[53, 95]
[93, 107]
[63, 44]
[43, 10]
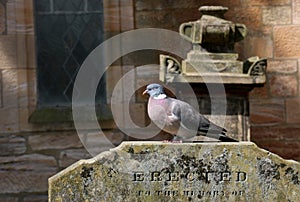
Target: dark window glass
[66, 32]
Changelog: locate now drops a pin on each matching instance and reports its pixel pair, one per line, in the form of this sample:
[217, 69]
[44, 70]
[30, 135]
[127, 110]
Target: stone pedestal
[156, 171]
[212, 64]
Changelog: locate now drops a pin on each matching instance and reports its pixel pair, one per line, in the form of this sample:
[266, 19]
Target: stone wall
[30, 153]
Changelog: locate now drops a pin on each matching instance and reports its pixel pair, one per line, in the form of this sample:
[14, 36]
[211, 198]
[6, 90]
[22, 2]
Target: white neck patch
[161, 96]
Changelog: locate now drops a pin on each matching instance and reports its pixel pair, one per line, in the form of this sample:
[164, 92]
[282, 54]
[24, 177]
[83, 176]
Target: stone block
[9, 119]
[267, 111]
[54, 140]
[147, 71]
[113, 75]
[9, 199]
[286, 135]
[8, 51]
[28, 162]
[12, 145]
[266, 2]
[1, 87]
[128, 83]
[296, 11]
[250, 16]
[111, 4]
[282, 66]
[26, 51]
[180, 4]
[118, 16]
[10, 88]
[31, 82]
[127, 15]
[156, 18]
[23, 88]
[96, 142]
[11, 17]
[281, 132]
[286, 40]
[279, 15]
[156, 171]
[286, 149]
[261, 46]
[112, 19]
[2, 19]
[36, 198]
[293, 110]
[68, 157]
[26, 173]
[24, 20]
[138, 114]
[283, 85]
[17, 182]
[259, 92]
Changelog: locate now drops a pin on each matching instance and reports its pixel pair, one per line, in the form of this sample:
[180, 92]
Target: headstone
[157, 171]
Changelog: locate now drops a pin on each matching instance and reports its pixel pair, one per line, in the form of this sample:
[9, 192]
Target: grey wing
[188, 117]
[192, 120]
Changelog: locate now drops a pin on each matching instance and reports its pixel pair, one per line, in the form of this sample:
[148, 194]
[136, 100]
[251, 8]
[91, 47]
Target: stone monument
[156, 171]
[212, 64]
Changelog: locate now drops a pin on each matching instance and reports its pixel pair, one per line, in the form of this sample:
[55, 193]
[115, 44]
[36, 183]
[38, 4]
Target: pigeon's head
[154, 90]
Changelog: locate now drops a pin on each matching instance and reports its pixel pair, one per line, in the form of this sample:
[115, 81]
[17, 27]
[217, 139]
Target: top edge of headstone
[140, 147]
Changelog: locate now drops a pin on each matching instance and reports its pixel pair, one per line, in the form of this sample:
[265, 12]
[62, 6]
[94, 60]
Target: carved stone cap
[212, 32]
[217, 11]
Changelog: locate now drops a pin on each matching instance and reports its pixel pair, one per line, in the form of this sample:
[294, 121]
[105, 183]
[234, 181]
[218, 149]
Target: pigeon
[179, 118]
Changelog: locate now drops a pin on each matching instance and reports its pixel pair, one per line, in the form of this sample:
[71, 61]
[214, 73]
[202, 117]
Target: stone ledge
[156, 171]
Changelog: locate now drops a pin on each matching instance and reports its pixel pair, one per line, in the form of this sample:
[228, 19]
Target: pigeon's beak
[145, 92]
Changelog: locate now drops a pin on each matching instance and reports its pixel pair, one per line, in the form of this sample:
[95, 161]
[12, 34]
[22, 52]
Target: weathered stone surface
[261, 46]
[54, 141]
[8, 52]
[277, 15]
[38, 198]
[285, 40]
[266, 111]
[70, 156]
[282, 66]
[286, 135]
[296, 11]
[26, 173]
[266, 3]
[2, 19]
[9, 199]
[11, 145]
[144, 171]
[283, 85]
[292, 110]
[29, 162]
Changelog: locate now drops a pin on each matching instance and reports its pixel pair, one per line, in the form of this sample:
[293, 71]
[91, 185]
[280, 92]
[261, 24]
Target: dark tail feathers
[224, 138]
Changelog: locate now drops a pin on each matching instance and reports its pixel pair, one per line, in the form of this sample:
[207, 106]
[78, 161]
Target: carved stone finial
[212, 32]
[213, 40]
